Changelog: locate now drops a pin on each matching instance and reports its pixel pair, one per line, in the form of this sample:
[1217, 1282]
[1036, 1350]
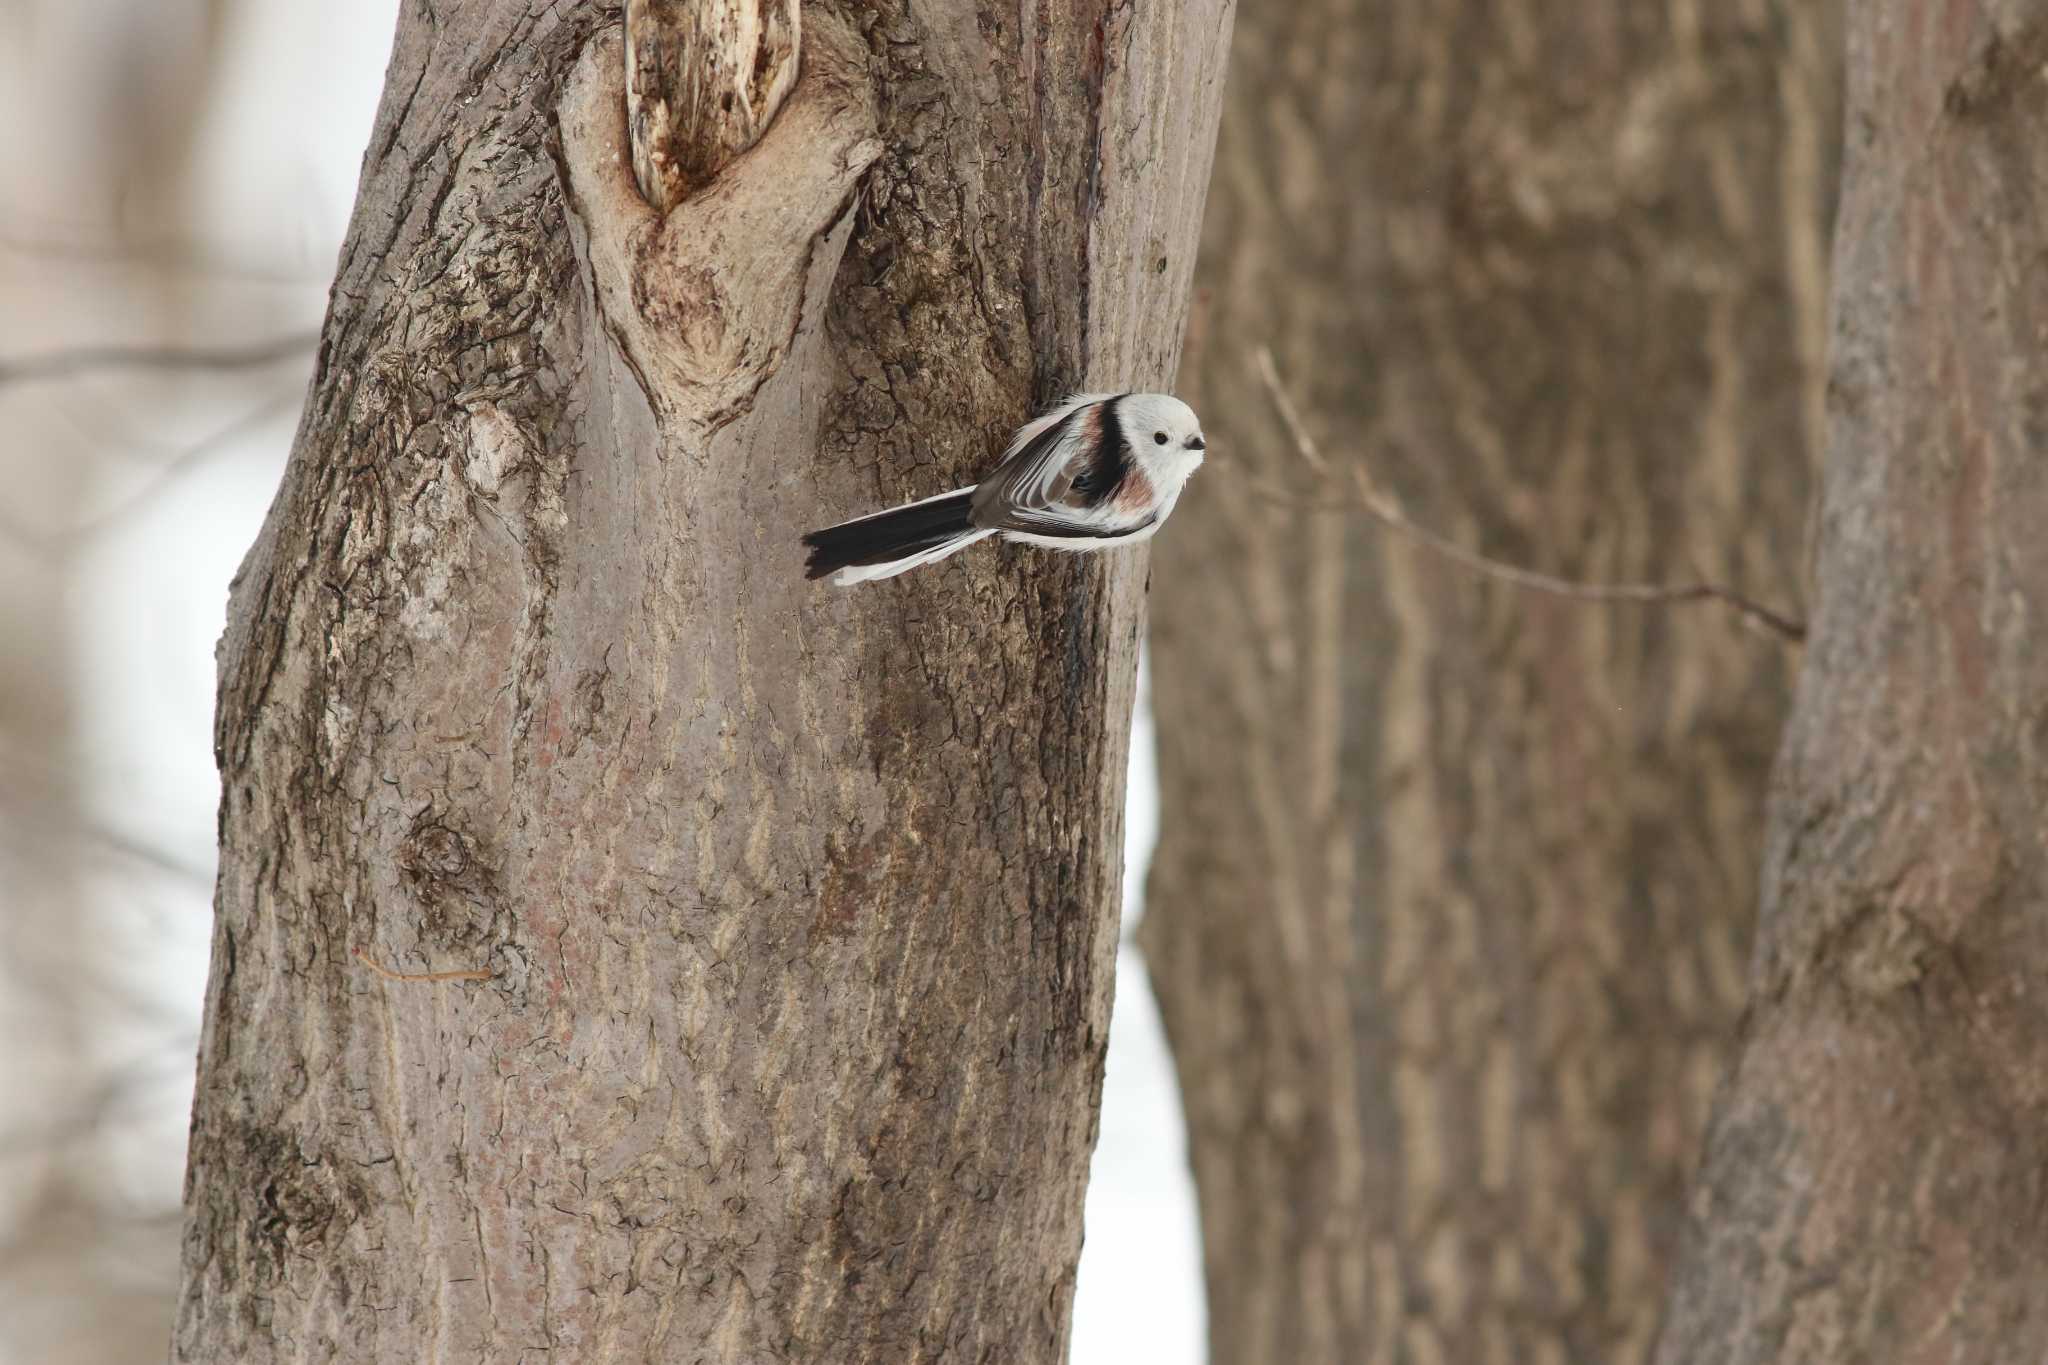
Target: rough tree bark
[703, 80]
[797, 905]
[1876, 1181]
[1454, 891]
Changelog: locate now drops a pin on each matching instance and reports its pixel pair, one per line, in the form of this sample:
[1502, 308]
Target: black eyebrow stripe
[1113, 457]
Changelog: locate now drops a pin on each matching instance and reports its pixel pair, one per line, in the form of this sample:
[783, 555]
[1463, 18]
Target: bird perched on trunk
[1098, 470]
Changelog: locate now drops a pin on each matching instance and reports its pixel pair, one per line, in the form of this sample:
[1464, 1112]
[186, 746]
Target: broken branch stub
[704, 79]
[705, 297]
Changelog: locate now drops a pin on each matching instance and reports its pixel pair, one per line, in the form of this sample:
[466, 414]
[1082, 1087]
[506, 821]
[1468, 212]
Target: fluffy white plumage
[1098, 470]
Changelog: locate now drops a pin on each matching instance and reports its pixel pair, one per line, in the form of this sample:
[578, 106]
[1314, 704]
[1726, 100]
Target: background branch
[84, 359]
[1384, 509]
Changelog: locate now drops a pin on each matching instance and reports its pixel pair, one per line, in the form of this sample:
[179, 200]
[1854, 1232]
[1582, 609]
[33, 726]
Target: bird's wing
[1059, 474]
[1034, 470]
[1052, 417]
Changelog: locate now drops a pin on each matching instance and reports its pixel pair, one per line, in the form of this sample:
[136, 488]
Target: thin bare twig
[84, 359]
[1388, 513]
[363, 956]
[50, 545]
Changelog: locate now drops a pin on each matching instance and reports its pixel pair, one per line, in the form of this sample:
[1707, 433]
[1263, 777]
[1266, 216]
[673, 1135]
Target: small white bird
[1098, 470]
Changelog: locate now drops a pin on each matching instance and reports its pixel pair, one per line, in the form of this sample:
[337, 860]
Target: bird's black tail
[887, 543]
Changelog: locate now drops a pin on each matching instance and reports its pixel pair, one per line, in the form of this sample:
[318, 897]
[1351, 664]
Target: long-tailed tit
[1098, 470]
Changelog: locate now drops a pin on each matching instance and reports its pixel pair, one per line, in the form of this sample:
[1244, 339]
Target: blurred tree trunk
[797, 905]
[1455, 885]
[1876, 1180]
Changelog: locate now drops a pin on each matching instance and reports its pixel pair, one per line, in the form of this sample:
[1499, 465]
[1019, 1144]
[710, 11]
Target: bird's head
[1164, 431]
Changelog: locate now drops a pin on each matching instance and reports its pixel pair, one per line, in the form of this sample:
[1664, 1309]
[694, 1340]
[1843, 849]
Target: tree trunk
[797, 905]
[1876, 1181]
[1455, 881]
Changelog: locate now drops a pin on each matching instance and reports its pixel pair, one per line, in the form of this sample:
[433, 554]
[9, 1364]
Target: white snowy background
[180, 172]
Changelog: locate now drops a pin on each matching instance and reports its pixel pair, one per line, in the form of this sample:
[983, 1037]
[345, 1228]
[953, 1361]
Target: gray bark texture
[1454, 895]
[1875, 1186]
[797, 905]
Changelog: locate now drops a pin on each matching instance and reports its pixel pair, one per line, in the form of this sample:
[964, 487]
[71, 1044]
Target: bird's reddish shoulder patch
[1135, 495]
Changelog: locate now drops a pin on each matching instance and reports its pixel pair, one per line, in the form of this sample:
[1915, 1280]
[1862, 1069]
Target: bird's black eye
[1159, 438]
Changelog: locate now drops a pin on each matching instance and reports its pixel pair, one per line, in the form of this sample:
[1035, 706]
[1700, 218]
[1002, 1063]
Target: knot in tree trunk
[703, 81]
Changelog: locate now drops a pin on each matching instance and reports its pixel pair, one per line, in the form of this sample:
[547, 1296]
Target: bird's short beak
[1197, 443]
